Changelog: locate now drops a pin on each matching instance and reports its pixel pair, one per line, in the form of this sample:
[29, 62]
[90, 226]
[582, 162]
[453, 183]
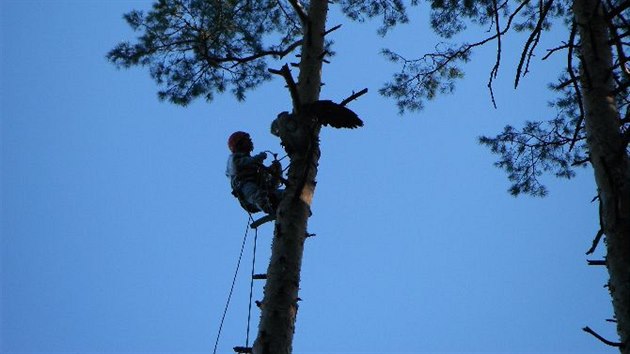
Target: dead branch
[353, 97]
[596, 240]
[602, 339]
[596, 262]
[332, 30]
[285, 72]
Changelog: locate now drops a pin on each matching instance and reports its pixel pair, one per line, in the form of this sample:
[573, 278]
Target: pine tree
[589, 127]
[197, 48]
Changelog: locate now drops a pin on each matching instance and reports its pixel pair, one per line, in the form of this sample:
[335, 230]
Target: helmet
[235, 139]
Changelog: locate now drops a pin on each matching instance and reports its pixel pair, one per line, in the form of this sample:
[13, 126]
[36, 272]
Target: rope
[227, 304]
[251, 289]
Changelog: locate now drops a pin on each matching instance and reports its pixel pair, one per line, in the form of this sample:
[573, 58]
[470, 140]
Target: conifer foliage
[196, 48]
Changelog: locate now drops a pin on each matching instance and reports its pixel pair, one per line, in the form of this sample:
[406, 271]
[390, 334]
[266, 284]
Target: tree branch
[240, 60]
[495, 68]
[353, 97]
[616, 39]
[553, 50]
[285, 72]
[533, 38]
[602, 339]
[615, 11]
[299, 9]
[576, 86]
[332, 30]
[598, 237]
[597, 262]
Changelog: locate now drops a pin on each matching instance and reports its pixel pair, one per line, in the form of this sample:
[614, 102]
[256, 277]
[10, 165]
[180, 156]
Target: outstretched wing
[335, 115]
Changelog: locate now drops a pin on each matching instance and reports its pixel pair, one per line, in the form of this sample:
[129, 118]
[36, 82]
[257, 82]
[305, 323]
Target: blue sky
[119, 232]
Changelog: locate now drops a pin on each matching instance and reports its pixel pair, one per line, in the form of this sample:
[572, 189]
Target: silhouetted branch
[576, 86]
[285, 72]
[353, 97]
[616, 11]
[495, 68]
[566, 83]
[598, 237]
[277, 53]
[581, 161]
[616, 39]
[534, 36]
[602, 339]
[332, 30]
[597, 262]
[553, 50]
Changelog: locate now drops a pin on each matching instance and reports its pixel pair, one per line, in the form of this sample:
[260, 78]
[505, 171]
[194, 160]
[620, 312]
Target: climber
[254, 184]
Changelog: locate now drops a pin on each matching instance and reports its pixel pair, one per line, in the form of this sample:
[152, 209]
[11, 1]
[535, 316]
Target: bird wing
[334, 114]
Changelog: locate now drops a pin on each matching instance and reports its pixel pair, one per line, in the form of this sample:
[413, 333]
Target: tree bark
[279, 306]
[608, 155]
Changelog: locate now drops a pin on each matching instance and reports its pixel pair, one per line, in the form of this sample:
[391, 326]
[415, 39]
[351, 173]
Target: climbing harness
[266, 178]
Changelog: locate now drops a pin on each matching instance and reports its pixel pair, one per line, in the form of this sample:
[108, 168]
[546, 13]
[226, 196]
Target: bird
[332, 114]
[323, 112]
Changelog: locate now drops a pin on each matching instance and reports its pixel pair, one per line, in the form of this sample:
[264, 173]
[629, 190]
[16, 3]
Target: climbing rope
[227, 304]
[251, 288]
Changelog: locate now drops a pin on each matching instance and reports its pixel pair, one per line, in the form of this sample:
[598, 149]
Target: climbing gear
[254, 225]
[227, 303]
[236, 139]
[267, 179]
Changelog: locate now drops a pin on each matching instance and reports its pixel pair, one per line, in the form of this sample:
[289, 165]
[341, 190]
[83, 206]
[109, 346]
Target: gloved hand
[262, 156]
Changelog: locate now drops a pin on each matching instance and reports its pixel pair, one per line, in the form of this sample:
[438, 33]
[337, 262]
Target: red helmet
[235, 139]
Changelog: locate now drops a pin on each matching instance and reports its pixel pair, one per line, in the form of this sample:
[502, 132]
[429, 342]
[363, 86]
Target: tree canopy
[556, 145]
[197, 48]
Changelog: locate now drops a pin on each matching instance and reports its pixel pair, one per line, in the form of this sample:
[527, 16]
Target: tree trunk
[608, 155]
[279, 306]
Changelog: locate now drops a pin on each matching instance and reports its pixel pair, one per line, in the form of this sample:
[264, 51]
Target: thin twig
[553, 50]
